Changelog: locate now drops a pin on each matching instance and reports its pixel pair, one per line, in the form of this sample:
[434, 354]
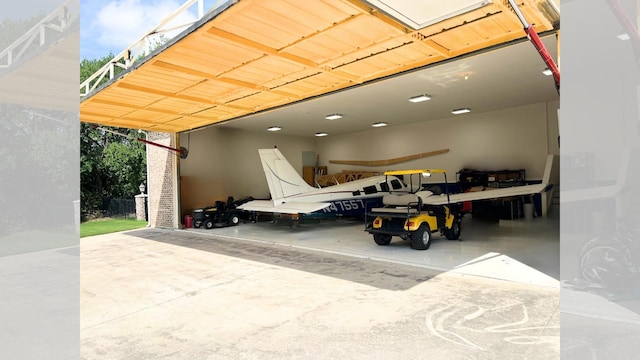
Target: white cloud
[122, 22]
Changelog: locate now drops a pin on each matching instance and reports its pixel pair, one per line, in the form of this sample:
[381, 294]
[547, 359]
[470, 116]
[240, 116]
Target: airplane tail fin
[282, 178]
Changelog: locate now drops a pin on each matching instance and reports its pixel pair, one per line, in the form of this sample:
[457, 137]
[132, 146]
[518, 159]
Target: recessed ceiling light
[461, 111]
[319, 134]
[420, 98]
[274, 128]
[547, 72]
[379, 124]
[333, 117]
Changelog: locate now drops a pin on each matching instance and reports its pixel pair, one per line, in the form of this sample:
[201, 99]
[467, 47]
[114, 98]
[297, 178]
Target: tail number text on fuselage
[344, 205]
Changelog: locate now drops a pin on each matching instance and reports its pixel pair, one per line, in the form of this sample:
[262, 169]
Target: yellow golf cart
[409, 216]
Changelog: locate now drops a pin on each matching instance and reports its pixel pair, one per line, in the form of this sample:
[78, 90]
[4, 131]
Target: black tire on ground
[234, 219]
[454, 232]
[208, 224]
[382, 239]
[421, 238]
[196, 224]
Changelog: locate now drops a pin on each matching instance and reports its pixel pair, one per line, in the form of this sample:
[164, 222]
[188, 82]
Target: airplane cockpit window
[370, 189]
[384, 186]
[396, 184]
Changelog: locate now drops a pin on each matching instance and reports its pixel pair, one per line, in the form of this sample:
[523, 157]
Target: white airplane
[290, 194]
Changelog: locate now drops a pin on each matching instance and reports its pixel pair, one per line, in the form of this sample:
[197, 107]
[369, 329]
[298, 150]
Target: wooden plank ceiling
[260, 54]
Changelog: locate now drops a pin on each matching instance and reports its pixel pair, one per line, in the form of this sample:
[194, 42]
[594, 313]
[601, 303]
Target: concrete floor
[174, 294]
[322, 291]
[526, 251]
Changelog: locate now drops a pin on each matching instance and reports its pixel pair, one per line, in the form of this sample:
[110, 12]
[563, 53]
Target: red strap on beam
[535, 39]
[180, 151]
[183, 152]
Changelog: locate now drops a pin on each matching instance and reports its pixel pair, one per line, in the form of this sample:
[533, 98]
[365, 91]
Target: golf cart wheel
[234, 220]
[421, 238]
[382, 239]
[208, 224]
[454, 232]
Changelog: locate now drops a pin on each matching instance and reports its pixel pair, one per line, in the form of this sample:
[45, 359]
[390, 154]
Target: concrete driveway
[172, 294]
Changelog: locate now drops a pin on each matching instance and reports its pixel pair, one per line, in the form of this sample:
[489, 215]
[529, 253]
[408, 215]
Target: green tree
[125, 163]
[112, 161]
[112, 166]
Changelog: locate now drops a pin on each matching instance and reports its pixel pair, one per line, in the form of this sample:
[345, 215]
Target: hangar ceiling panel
[278, 24]
[266, 69]
[209, 90]
[279, 83]
[257, 55]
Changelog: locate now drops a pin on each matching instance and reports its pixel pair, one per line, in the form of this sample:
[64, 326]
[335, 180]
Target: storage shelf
[507, 208]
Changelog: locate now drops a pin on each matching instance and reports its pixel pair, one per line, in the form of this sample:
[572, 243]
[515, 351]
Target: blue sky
[112, 26]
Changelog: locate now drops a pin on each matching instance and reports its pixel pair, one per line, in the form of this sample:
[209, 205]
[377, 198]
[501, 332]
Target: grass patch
[107, 226]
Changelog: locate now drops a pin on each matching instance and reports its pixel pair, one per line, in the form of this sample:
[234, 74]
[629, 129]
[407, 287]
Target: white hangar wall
[224, 162]
[514, 138]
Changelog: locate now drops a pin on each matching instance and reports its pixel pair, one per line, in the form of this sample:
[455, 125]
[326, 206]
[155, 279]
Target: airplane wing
[487, 193]
[284, 208]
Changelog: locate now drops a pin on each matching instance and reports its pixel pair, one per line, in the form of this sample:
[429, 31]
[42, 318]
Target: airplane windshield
[413, 185]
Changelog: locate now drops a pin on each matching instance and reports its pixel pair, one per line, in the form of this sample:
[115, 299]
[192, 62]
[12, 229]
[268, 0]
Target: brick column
[141, 207]
[163, 182]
